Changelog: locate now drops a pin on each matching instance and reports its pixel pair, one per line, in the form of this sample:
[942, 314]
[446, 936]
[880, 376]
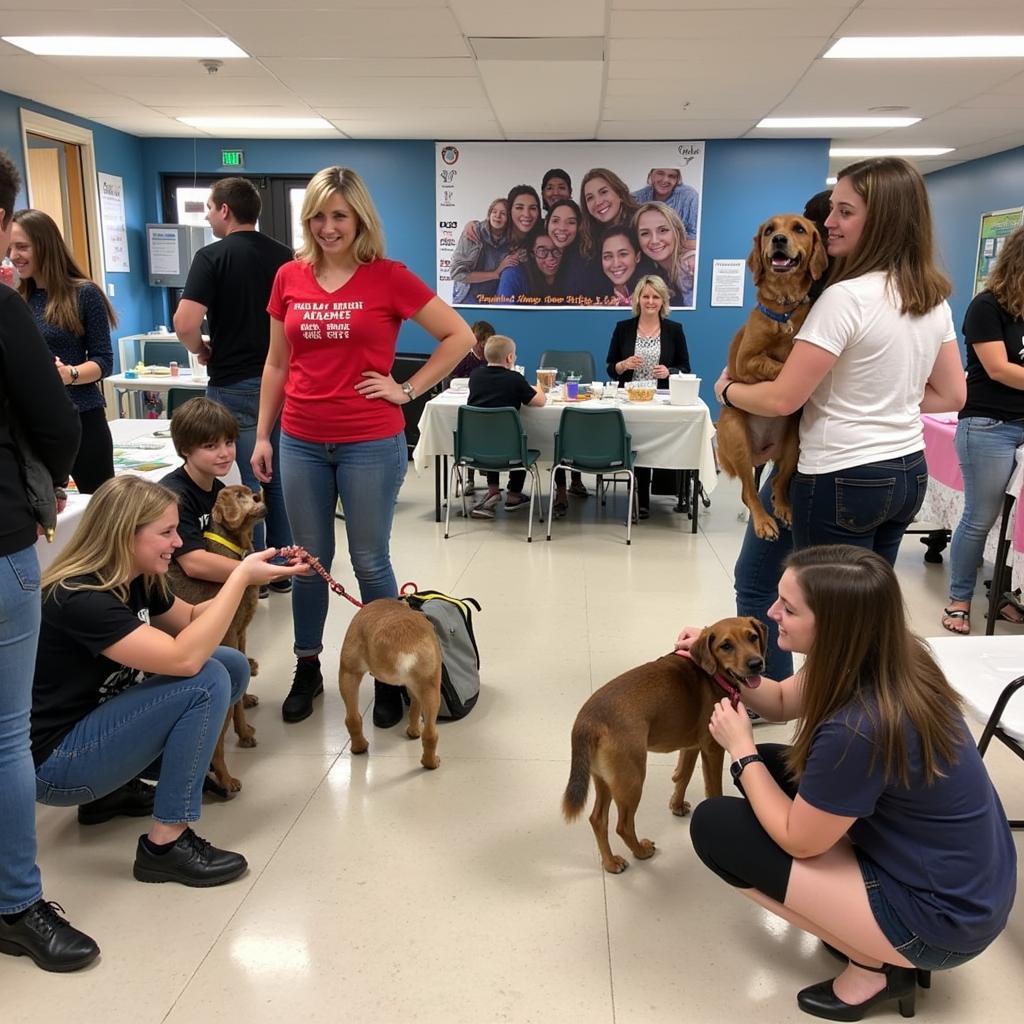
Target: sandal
[952, 615]
[1009, 612]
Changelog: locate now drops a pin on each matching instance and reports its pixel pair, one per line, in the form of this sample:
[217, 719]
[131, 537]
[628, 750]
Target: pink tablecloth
[939, 452]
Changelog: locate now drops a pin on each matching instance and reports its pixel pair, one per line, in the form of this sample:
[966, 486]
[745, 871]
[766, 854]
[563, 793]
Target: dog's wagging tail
[584, 740]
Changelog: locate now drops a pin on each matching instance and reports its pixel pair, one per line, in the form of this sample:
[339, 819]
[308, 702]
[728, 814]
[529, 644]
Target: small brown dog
[661, 706]
[234, 517]
[787, 258]
[398, 646]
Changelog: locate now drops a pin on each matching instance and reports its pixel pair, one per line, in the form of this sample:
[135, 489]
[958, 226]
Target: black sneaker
[51, 941]
[388, 706]
[281, 586]
[264, 591]
[307, 685]
[191, 861]
[132, 800]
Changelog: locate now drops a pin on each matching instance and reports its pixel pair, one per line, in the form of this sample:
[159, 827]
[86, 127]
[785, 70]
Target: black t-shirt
[194, 509]
[495, 386]
[985, 320]
[232, 278]
[72, 677]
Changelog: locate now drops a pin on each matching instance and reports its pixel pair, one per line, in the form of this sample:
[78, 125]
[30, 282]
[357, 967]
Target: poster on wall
[115, 237]
[536, 225]
[996, 227]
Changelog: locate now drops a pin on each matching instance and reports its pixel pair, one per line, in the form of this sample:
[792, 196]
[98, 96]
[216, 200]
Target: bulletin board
[996, 227]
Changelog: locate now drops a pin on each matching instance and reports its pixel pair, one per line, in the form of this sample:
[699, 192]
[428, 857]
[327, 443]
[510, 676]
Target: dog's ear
[819, 256]
[700, 652]
[762, 632]
[755, 261]
[229, 509]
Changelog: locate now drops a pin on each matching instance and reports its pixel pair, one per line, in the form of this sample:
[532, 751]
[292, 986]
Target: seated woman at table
[878, 830]
[75, 317]
[991, 423]
[648, 345]
[127, 673]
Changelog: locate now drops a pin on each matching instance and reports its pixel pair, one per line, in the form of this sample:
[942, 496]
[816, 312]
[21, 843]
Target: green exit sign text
[232, 158]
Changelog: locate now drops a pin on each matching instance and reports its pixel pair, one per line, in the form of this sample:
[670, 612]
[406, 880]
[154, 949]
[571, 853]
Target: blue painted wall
[745, 181]
[959, 196]
[116, 153]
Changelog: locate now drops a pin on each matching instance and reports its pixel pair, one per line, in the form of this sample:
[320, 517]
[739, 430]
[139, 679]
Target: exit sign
[232, 158]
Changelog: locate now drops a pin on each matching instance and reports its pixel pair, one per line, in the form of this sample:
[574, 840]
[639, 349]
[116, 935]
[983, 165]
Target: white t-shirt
[868, 407]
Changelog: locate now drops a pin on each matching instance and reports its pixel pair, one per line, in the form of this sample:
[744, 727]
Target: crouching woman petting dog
[878, 830]
[127, 673]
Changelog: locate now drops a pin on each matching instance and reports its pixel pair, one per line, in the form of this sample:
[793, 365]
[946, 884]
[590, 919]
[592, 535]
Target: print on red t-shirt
[332, 338]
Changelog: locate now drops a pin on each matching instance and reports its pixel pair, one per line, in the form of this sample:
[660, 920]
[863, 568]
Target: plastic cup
[572, 389]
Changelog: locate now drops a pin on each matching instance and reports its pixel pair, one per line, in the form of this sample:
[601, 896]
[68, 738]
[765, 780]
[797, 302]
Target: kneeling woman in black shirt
[127, 673]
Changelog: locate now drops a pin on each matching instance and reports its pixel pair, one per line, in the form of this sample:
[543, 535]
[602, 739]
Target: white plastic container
[683, 389]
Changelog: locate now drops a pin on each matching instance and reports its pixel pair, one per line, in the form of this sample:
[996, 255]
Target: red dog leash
[302, 555]
[731, 691]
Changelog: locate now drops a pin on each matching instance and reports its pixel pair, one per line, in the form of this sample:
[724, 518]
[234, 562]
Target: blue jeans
[986, 449]
[902, 939]
[367, 476]
[869, 506]
[20, 610]
[243, 399]
[176, 719]
[756, 580]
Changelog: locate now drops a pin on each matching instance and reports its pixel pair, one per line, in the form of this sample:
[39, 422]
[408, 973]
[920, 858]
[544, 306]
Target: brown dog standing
[399, 646]
[787, 258]
[234, 517]
[661, 706]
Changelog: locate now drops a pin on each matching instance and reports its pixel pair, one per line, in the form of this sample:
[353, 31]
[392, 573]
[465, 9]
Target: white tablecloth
[664, 436]
[136, 450]
[117, 384]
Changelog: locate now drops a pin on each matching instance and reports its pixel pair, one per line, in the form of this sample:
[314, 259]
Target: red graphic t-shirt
[333, 337]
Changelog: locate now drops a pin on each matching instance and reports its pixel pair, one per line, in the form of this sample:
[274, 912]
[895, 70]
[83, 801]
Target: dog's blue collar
[779, 318]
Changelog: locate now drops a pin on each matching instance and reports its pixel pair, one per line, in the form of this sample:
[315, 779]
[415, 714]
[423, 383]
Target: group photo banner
[536, 225]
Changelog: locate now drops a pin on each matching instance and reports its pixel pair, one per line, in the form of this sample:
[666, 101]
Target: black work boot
[307, 685]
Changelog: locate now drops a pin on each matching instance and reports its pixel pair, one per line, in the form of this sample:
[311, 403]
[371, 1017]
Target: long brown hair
[864, 657]
[897, 237]
[591, 230]
[56, 272]
[1006, 279]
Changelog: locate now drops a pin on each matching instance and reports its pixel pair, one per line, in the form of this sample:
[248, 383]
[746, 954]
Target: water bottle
[9, 273]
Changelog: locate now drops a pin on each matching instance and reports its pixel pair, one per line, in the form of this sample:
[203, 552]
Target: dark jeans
[94, 463]
[869, 506]
[516, 479]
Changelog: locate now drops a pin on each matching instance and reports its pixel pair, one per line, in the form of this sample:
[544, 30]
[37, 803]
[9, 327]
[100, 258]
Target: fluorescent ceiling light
[926, 47]
[837, 122]
[831, 181]
[889, 150]
[197, 47]
[284, 124]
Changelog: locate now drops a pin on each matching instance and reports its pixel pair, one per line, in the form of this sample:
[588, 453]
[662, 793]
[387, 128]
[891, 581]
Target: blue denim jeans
[20, 610]
[756, 580]
[367, 476]
[986, 450]
[243, 399]
[174, 718]
[903, 940]
[869, 506]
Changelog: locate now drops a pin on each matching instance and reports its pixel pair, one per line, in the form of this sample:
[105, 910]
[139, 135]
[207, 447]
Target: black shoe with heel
[924, 978]
[821, 1000]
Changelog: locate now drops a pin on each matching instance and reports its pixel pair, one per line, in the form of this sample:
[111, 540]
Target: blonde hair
[103, 545]
[657, 284]
[1006, 279]
[332, 181]
[497, 349]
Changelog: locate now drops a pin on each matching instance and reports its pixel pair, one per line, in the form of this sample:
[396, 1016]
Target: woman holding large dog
[877, 349]
[878, 830]
[335, 312]
[128, 673]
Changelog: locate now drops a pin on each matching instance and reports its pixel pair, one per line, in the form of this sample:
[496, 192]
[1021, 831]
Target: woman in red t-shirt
[335, 312]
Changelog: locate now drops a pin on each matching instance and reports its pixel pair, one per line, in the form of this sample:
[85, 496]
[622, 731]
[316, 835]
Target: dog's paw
[783, 511]
[248, 740]
[616, 865]
[680, 810]
[360, 746]
[413, 732]
[234, 785]
[430, 762]
[646, 849]
[766, 528]
[250, 700]
[254, 667]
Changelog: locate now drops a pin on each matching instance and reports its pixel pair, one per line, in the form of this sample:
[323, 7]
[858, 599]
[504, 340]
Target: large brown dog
[234, 517]
[399, 646]
[661, 706]
[787, 258]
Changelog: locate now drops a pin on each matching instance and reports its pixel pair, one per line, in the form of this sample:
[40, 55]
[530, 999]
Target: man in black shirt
[229, 284]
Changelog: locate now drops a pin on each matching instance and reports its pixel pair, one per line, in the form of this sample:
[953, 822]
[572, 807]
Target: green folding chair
[595, 441]
[492, 441]
[565, 361]
[177, 397]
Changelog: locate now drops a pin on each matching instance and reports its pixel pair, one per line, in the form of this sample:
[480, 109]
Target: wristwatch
[73, 370]
[736, 768]
[409, 390]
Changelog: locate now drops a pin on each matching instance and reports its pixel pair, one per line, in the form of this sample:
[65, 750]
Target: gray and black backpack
[452, 619]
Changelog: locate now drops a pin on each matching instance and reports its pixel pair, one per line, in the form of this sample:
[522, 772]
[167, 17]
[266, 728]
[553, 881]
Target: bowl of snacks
[641, 390]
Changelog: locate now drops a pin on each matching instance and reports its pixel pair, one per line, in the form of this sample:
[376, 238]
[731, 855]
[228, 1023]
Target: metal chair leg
[551, 498]
[629, 513]
[448, 504]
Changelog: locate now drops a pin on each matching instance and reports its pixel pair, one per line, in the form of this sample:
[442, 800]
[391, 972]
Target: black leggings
[729, 839]
[95, 460]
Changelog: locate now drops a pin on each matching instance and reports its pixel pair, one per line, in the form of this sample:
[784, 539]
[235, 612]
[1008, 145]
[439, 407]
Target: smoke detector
[212, 66]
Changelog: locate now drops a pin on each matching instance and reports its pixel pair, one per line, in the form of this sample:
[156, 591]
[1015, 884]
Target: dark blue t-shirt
[943, 853]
